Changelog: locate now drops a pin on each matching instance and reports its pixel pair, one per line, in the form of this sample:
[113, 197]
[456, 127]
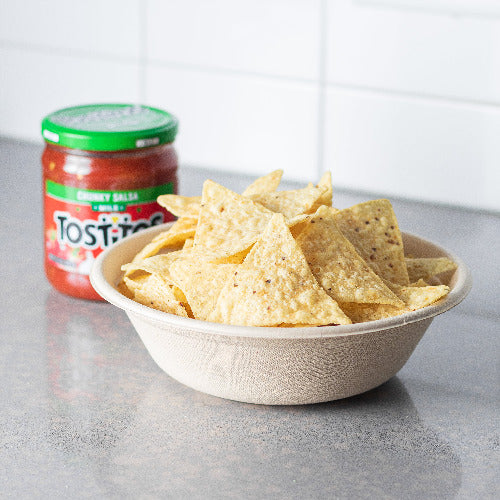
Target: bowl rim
[108, 292]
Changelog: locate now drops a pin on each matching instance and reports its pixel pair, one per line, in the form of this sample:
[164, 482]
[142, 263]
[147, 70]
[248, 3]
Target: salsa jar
[104, 165]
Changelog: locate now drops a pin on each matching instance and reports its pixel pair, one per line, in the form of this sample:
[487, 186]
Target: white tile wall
[397, 97]
[273, 37]
[35, 83]
[93, 26]
[416, 148]
[419, 52]
[251, 124]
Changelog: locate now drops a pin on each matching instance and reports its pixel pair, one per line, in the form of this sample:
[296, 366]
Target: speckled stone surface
[86, 413]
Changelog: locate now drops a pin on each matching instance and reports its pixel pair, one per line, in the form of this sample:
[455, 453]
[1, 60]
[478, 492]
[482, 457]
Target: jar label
[80, 223]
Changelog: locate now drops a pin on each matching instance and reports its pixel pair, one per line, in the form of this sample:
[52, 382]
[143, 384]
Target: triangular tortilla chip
[264, 184]
[189, 206]
[416, 297]
[333, 260]
[274, 285]
[180, 206]
[157, 264]
[427, 267]
[229, 223]
[201, 283]
[178, 233]
[160, 264]
[360, 313]
[326, 197]
[181, 298]
[290, 203]
[373, 230]
[153, 292]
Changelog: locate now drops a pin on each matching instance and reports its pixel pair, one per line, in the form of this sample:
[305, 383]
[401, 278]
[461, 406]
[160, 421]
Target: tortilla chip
[125, 290]
[420, 282]
[157, 264]
[236, 258]
[189, 206]
[229, 223]
[425, 268]
[201, 283]
[281, 258]
[419, 294]
[326, 197]
[333, 260]
[180, 297]
[360, 313]
[416, 297]
[290, 203]
[264, 184]
[188, 243]
[297, 229]
[180, 206]
[373, 230]
[213, 255]
[274, 285]
[132, 284]
[153, 292]
[174, 237]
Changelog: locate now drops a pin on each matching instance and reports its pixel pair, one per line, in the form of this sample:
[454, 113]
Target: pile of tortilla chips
[280, 258]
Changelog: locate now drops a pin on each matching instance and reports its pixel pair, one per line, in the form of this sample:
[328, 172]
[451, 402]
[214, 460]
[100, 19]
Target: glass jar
[104, 166]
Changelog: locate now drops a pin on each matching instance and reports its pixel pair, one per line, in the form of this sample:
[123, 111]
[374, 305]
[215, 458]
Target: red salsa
[103, 168]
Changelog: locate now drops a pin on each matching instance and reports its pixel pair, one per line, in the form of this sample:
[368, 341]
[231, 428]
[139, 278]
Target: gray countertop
[86, 413]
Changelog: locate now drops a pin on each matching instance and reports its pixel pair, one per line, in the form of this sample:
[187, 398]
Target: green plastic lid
[109, 127]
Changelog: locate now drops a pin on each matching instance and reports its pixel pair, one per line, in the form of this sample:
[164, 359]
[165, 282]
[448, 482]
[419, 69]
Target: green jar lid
[109, 127]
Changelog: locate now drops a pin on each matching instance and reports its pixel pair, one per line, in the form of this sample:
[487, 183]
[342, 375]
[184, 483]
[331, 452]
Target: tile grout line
[409, 95]
[386, 92]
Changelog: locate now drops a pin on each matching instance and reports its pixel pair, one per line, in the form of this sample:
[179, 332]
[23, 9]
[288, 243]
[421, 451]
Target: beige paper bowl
[279, 366]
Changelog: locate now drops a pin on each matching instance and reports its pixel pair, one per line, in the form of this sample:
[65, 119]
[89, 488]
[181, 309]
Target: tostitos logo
[109, 228]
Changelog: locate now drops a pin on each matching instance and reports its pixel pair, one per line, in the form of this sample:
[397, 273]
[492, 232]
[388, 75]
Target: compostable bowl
[280, 366]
